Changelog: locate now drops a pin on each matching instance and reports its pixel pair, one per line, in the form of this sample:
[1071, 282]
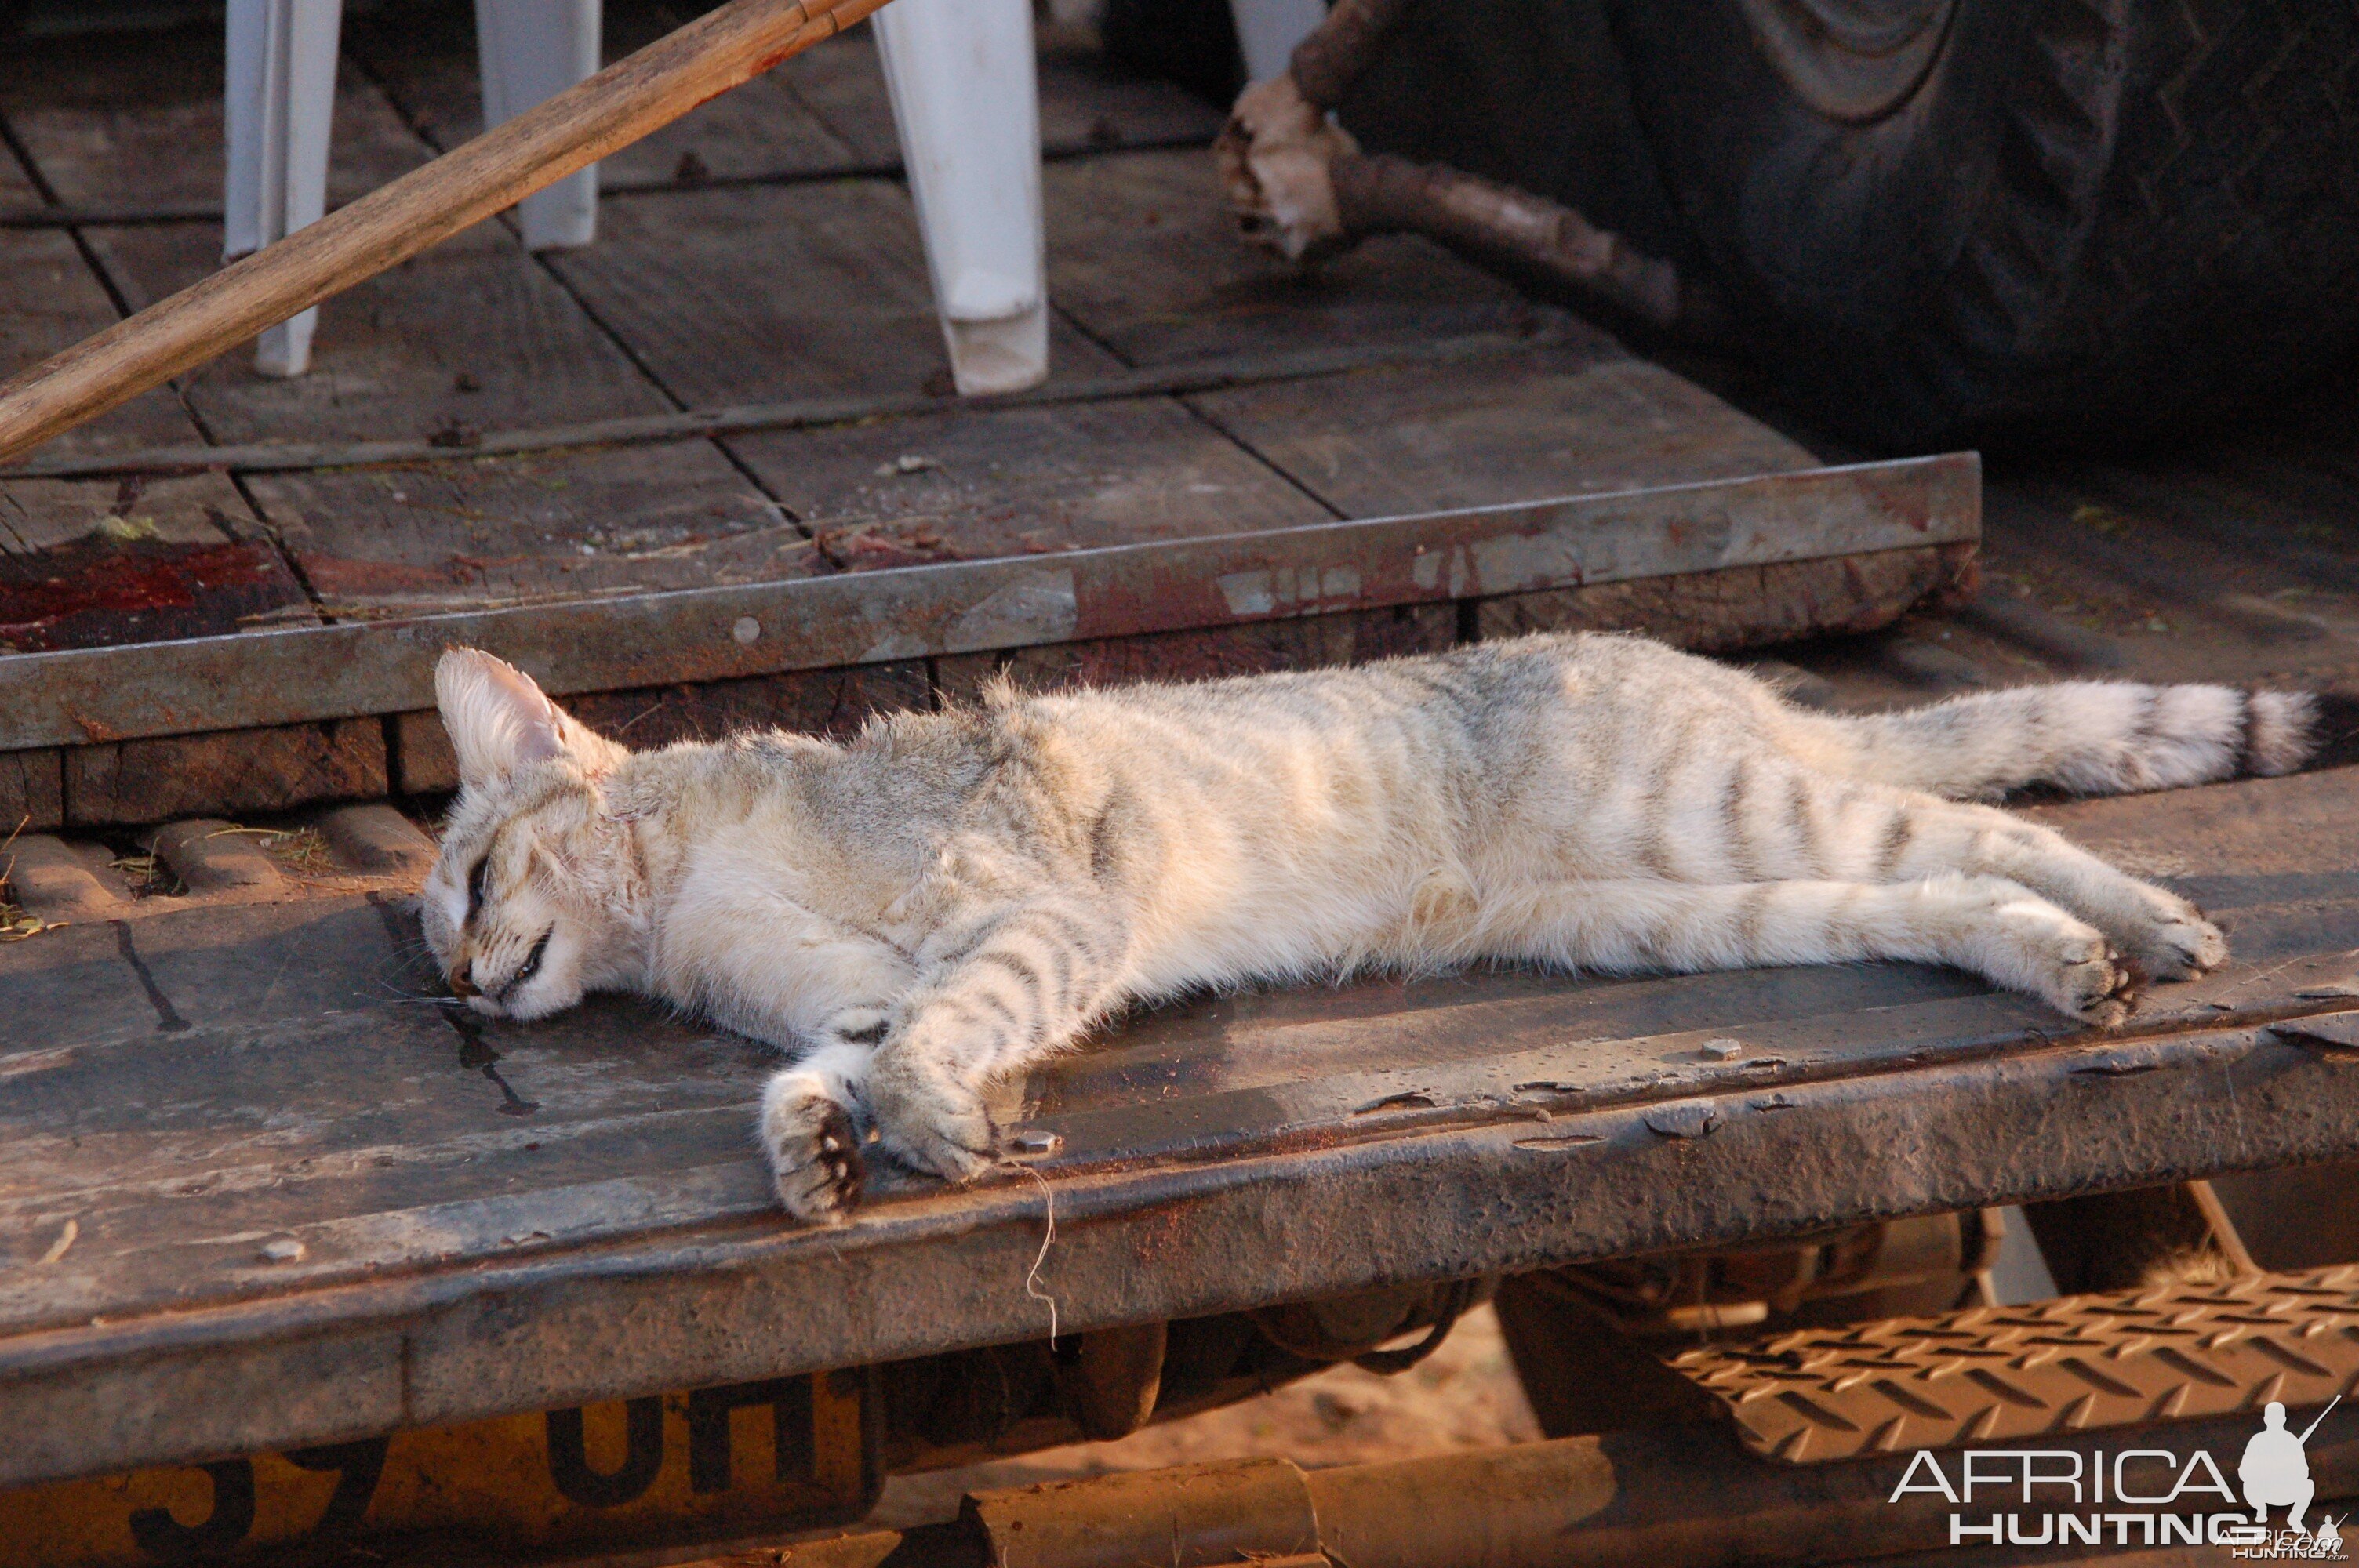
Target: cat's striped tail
[2097, 738]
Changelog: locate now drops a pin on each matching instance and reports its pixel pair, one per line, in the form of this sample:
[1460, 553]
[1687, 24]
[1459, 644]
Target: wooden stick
[584, 123]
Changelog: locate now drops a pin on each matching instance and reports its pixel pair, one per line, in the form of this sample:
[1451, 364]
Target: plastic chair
[1268, 31]
[965, 104]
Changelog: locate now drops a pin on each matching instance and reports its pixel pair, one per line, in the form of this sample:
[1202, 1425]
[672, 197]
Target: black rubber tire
[1191, 42]
[2088, 219]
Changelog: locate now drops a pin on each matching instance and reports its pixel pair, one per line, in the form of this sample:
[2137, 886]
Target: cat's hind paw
[2067, 963]
[814, 1153]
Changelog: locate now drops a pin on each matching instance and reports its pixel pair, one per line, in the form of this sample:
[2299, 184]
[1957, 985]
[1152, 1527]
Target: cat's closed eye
[475, 881]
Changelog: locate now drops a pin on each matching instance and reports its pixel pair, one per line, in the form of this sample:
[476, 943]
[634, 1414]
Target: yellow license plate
[789, 1453]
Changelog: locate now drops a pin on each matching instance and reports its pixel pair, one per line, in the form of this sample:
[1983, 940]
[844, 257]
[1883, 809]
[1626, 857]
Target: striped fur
[952, 895]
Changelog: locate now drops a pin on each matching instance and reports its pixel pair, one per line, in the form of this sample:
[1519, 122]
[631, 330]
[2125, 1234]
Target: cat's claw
[814, 1156]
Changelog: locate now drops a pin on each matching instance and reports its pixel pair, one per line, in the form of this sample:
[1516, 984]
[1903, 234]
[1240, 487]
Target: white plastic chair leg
[960, 76]
[280, 105]
[1268, 31]
[528, 51]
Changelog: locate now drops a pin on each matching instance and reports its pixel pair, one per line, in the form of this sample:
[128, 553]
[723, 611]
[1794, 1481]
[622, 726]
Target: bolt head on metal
[747, 630]
[1723, 1050]
[285, 1250]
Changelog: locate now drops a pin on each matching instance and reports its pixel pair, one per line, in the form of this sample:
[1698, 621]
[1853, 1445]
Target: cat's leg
[1995, 928]
[1777, 820]
[2167, 937]
[1022, 984]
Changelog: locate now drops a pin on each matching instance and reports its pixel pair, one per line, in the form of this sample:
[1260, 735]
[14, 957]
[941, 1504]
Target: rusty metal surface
[488, 1218]
[299, 675]
[1991, 1375]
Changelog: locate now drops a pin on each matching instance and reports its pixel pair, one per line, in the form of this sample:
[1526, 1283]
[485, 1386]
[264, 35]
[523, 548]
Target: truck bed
[266, 1188]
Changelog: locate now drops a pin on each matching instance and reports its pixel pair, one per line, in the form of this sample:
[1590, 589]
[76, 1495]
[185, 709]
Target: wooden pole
[584, 123]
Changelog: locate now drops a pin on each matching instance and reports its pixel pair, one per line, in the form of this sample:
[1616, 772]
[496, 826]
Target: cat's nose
[462, 981]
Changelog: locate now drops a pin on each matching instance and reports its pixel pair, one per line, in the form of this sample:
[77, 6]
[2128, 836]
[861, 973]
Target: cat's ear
[499, 720]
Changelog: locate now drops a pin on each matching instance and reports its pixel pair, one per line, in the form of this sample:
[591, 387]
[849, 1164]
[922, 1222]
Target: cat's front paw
[2179, 944]
[813, 1149]
[931, 1123]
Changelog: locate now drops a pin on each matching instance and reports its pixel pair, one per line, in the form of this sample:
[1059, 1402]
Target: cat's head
[531, 902]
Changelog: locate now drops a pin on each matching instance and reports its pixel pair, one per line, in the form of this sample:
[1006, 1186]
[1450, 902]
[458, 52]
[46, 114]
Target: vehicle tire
[1942, 221]
[1191, 42]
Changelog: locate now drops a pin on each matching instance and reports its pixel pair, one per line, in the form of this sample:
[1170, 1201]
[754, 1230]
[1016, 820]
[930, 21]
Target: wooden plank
[110, 123]
[32, 790]
[429, 538]
[55, 301]
[692, 282]
[471, 335]
[1143, 254]
[85, 563]
[819, 702]
[968, 484]
[233, 773]
[1578, 419]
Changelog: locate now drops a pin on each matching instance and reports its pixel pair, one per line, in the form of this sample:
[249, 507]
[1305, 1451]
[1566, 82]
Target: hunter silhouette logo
[2275, 1470]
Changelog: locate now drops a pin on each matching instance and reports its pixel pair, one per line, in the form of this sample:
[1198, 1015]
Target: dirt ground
[1463, 1396]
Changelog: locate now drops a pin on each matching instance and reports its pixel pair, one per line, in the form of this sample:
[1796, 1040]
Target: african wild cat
[953, 895]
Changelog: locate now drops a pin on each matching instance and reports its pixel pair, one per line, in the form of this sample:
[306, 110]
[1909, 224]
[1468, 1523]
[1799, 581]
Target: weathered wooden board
[1575, 420]
[195, 1080]
[53, 302]
[433, 537]
[969, 485]
[33, 790]
[471, 335]
[90, 562]
[749, 294]
[1144, 254]
[229, 775]
[111, 123]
